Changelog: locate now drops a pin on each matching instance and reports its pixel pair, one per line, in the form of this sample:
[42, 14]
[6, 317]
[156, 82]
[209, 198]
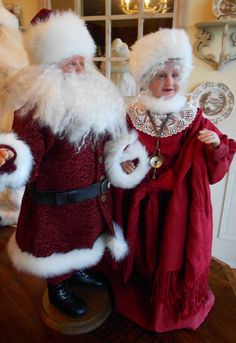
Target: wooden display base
[99, 308]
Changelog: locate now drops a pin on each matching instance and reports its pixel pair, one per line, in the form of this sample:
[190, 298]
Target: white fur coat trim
[126, 148]
[62, 263]
[23, 162]
[58, 263]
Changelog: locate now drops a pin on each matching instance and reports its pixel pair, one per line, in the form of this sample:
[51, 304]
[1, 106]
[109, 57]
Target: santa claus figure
[69, 111]
[12, 58]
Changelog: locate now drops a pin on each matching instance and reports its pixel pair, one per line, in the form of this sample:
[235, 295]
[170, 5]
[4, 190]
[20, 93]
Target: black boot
[63, 298]
[83, 277]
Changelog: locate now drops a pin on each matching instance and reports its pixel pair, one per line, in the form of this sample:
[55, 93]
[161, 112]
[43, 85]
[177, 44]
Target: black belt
[68, 197]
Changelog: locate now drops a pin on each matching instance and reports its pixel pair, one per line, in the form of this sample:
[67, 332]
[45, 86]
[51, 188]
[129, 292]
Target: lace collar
[140, 119]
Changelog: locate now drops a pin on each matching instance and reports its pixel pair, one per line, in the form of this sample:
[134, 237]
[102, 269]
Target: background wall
[201, 11]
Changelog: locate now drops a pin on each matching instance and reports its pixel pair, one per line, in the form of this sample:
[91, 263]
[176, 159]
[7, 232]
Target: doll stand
[99, 308]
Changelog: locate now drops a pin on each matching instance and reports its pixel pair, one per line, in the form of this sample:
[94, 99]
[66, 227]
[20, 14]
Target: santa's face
[166, 82]
[74, 64]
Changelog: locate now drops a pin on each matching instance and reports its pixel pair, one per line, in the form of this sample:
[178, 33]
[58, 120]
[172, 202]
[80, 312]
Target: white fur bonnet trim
[7, 19]
[127, 147]
[23, 162]
[62, 35]
[159, 47]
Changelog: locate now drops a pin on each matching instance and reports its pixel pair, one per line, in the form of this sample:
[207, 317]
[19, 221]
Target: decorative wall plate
[224, 9]
[215, 99]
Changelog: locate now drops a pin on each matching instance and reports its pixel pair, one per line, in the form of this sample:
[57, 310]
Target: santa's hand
[209, 137]
[5, 155]
[128, 166]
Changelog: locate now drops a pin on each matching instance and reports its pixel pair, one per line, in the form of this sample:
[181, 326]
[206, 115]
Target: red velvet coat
[58, 166]
[168, 223]
[44, 230]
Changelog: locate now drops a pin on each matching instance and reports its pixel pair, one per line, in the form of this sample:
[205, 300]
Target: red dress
[163, 284]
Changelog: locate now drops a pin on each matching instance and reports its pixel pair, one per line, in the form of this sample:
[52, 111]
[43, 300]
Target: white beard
[72, 105]
[162, 105]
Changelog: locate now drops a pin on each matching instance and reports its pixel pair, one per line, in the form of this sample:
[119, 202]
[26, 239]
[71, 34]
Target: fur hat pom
[8, 19]
[62, 35]
[159, 47]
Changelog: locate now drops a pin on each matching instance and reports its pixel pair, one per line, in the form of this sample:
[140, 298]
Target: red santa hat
[54, 36]
[7, 19]
[42, 15]
[152, 51]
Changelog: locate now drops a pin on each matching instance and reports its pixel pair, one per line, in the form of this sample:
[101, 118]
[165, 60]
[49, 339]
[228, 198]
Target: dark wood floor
[20, 302]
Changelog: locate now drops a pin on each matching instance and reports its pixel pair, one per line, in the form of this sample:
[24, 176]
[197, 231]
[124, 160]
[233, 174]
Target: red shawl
[181, 277]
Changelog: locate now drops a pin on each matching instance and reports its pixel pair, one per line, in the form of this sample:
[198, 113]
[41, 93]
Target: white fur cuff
[23, 162]
[126, 148]
[117, 244]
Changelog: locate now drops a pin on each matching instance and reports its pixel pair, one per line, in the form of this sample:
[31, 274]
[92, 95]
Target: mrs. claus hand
[209, 137]
[128, 167]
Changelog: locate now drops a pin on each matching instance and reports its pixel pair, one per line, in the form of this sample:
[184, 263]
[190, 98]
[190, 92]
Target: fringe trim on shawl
[186, 297]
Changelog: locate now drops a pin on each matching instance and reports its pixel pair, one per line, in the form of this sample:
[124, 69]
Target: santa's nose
[79, 65]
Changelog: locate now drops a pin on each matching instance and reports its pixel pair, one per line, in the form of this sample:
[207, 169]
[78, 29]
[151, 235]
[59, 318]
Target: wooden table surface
[21, 297]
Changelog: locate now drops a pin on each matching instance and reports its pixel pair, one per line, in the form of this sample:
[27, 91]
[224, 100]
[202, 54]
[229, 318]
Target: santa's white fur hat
[152, 51]
[62, 35]
[7, 19]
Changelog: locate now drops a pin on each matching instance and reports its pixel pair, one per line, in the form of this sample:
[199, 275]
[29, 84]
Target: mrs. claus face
[166, 83]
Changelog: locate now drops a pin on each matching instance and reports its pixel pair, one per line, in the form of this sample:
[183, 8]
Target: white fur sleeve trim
[23, 162]
[117, 244]
[127, 147]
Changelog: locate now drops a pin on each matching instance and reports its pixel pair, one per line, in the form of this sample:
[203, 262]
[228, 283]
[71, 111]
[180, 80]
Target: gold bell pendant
[156, 161]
